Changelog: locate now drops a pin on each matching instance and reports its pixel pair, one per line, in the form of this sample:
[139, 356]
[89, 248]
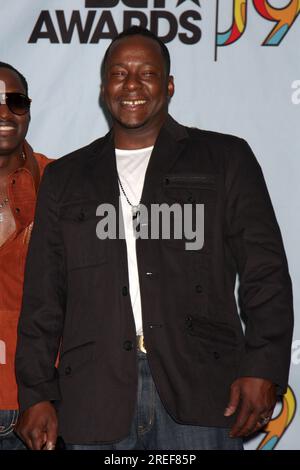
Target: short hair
[4, 65]
[139, 31]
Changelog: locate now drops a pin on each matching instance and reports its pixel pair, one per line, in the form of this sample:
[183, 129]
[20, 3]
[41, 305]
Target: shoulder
[67, 174]
[214, 139]
[42, 161]
[203, 139]
[228, 152]
[78, 157]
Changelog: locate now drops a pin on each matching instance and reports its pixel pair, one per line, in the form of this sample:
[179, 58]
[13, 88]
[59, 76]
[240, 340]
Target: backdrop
[236, 68]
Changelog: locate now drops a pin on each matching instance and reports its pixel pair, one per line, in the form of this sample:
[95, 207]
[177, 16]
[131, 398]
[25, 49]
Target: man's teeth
[6, 128]
[133, 102]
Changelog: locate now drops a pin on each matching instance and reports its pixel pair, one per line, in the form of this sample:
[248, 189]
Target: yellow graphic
[240, 15]
[277, 426]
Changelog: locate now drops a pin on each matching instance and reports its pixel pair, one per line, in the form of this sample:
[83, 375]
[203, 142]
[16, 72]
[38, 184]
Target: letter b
[114, 3]
[101, 3]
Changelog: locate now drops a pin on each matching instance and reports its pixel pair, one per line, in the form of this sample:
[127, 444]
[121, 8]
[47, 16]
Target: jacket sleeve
[265, 291]
[42, 313]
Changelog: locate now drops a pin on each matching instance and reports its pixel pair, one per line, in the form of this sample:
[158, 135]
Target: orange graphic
[284, 17]
[278, 425]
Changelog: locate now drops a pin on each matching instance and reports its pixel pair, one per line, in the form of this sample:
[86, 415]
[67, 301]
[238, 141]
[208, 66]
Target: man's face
[136, 88]
[13, 128]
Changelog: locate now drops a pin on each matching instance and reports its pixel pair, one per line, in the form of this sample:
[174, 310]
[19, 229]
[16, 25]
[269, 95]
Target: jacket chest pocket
[83, 247]
[193, 199]
[190, 188]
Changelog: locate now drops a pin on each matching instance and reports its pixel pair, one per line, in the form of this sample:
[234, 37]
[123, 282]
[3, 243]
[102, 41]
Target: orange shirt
[22, 190]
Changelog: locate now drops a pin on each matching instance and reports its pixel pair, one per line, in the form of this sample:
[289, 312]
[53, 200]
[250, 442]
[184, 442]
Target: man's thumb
[233, 401]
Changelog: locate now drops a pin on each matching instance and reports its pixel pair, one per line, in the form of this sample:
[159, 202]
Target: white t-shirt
[132, 166]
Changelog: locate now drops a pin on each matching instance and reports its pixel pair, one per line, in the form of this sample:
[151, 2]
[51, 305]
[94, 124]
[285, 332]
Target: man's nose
[132, 82]
[4, 110]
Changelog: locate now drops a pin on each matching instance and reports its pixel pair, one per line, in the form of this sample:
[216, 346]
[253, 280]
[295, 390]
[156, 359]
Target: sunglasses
[17, 103]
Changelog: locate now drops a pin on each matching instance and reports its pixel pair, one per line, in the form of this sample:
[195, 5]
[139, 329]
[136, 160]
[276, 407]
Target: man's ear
[171, 86]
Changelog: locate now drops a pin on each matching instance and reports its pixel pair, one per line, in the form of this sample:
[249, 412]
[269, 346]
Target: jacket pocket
[193, 197]
[218, 336]
[73, 358]
[79, 222]
[190, 189]
[190, 180]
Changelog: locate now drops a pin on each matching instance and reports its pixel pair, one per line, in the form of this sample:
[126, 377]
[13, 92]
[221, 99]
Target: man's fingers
[25, 437]
[37, 426]
[259, 426]
[27, 441]
[241, 420]
[51, 436]
[233, 401]
[263, 420]
[249, 426]
[50, 445]
[38, 439]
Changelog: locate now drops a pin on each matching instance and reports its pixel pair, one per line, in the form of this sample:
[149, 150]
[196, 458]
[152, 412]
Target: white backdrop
[250, 88]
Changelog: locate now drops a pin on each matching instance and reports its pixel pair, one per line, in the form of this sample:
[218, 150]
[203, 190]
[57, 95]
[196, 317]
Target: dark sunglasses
[17, 103]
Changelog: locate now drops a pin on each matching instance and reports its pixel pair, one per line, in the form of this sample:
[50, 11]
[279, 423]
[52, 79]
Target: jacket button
[216, 355]
[17, 210]
[80, 217]
[124, 291]
[128, 345]
[199, 289]
[68, 370]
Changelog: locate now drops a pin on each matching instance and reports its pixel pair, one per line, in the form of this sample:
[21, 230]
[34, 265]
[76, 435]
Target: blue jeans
[8, 439]
[154, 429]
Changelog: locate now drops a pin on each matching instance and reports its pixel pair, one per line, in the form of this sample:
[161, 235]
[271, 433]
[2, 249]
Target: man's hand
[256, 399]
[37, 426]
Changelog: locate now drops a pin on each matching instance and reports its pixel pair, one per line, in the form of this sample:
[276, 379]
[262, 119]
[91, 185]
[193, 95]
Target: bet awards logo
[99, 21]
[103, 19]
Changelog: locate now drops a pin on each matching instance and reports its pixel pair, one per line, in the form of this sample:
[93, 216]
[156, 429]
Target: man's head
[136, 85]
[14, 110]
[137, 30]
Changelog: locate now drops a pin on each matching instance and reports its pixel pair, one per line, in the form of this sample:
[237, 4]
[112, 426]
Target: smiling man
[152, 351]
[20, 173]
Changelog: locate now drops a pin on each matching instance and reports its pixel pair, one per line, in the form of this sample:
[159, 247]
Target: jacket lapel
[101, 171]
[168, 147]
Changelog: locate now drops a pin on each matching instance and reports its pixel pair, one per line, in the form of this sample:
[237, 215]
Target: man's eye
[118, 73]
[148, 73]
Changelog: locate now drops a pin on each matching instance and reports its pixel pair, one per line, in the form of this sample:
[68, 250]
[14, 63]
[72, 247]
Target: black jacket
[74, 297]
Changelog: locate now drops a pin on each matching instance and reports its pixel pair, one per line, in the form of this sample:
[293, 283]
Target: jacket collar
[167, 149]
[31, 164]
